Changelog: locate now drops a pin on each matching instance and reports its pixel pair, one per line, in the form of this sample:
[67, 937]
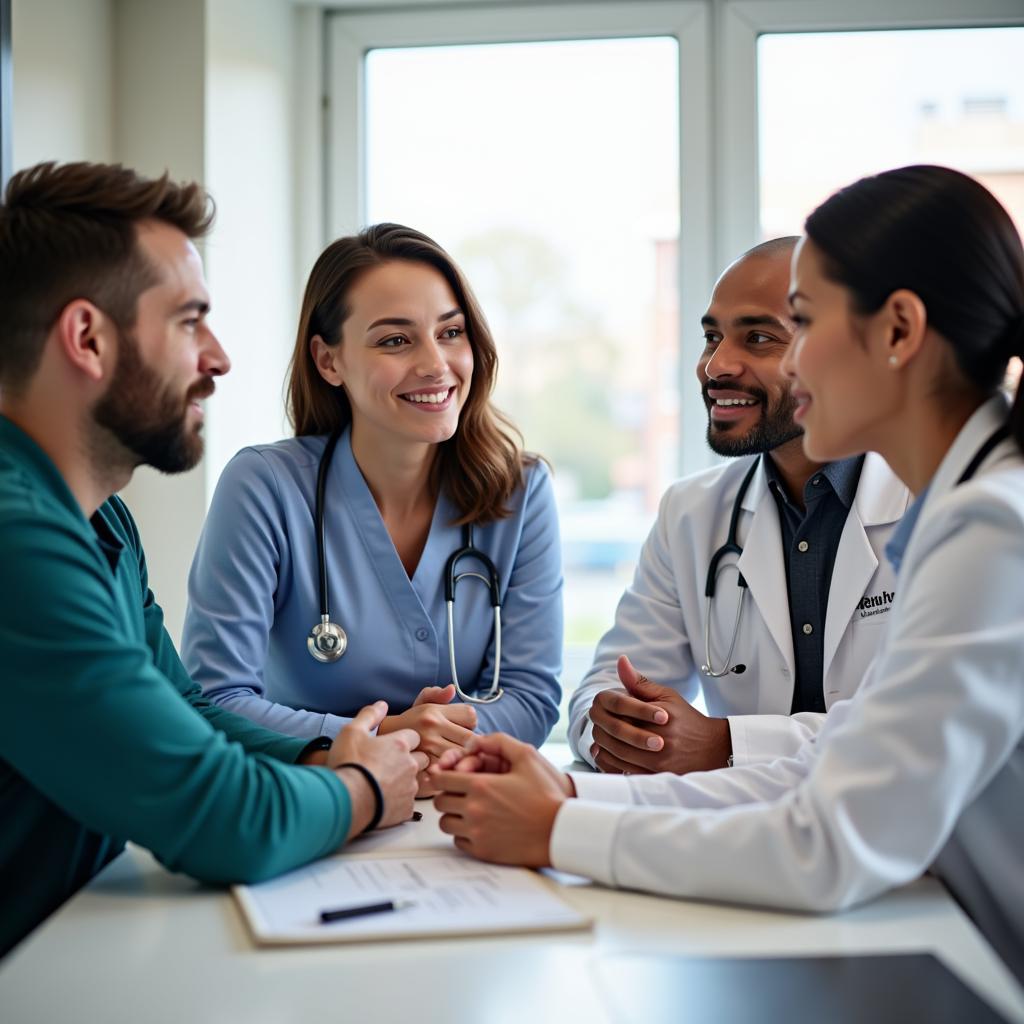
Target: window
[550, 171]
[948, 96]
[593, 167]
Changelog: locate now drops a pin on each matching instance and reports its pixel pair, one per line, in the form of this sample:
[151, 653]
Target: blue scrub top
[253, 598]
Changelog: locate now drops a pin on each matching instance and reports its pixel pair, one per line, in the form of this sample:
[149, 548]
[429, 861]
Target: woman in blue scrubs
[394, 352]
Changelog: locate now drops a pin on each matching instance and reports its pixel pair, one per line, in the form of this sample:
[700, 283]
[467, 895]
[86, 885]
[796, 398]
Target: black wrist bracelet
[320, 743]
[378, 796]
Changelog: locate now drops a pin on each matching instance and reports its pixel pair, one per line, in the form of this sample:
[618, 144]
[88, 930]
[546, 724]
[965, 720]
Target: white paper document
[450, 894]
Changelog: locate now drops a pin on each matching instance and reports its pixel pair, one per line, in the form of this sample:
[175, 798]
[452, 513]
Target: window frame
[739, 26]
[350, 36]
[719, 166]
[6, 89]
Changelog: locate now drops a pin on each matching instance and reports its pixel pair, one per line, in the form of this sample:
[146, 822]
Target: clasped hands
[499, 800]
[499, 797]
[398, 755]
[646, 728]
[440, 724]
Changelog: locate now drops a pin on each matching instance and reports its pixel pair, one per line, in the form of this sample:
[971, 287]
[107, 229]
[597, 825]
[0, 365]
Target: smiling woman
[400, 452]
[407, 372]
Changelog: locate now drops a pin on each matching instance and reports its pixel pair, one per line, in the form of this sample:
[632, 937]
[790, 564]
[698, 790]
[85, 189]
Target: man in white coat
[801, 633]
[923, 769]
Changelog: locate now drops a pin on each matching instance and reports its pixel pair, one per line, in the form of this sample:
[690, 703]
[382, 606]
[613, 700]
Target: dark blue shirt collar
[842, 476]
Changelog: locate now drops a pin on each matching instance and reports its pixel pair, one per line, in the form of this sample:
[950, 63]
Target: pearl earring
[894, 360]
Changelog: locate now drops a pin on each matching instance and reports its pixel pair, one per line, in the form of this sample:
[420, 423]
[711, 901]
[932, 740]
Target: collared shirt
[897, 546]
[810, 539]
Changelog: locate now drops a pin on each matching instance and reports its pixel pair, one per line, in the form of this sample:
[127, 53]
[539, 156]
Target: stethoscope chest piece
[327, 640]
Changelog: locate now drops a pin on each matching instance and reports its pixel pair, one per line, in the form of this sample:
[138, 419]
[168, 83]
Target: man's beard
[145, 417]
[774, 428]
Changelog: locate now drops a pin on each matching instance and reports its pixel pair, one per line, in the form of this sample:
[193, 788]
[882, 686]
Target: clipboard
[452, 895]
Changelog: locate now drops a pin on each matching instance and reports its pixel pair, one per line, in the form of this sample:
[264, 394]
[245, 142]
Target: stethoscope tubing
[731, 546]
[493, 584]
[327, 641]
[321, 557]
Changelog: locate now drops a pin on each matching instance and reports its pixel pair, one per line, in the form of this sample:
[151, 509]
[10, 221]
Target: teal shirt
[103, 735]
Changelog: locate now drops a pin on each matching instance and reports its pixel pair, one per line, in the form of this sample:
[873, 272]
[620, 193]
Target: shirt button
[802, 546]
[422, 634]
[808, 629]
[816, 481]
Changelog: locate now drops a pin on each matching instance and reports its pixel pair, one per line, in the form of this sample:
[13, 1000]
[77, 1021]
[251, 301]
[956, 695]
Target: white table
[141, 945]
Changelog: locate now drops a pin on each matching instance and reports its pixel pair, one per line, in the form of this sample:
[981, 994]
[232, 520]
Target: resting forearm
[527, 715]
[279, 717]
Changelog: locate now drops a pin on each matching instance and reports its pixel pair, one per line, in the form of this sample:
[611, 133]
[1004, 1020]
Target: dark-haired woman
[908, 289]
[394, 361]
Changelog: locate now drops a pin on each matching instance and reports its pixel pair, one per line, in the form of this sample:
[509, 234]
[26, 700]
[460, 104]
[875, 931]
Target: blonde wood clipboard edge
[251, 914]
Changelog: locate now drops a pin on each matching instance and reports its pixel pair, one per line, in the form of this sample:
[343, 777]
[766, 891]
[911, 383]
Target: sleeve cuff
[583, 839]
[320, 743]
[585, 742]
[757, 739]
[333, 724]
[606, 789]
[344, 808]
[740, 741]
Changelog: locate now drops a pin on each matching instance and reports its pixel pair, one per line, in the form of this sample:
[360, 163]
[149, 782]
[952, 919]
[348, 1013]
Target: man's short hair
[68, 231]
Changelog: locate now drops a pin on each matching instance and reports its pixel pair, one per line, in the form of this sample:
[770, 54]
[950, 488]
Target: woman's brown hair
[481, 465]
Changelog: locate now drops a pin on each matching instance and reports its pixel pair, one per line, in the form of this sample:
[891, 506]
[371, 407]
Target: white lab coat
[923, 767]
[660, 620]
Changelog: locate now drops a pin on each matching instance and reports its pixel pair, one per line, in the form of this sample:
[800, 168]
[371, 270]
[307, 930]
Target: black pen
[343, 913]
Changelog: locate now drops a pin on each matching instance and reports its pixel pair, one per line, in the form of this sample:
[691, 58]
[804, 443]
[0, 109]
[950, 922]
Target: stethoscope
[733, 547]
[999, 434]
[730, 547]
[327, 641]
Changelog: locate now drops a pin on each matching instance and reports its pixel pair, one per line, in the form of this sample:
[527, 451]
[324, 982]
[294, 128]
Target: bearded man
[762, 583]
[106, 356]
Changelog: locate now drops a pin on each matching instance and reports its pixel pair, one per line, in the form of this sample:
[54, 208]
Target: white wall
[63, 98]
[250, 258]
[159, 107]
[209, 90]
